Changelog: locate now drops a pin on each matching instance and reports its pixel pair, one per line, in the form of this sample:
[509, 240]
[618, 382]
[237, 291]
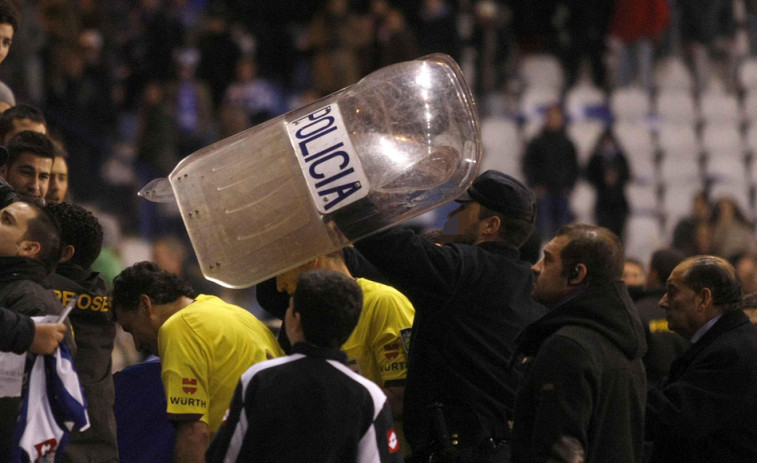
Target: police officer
[94, 328]
[472, 297]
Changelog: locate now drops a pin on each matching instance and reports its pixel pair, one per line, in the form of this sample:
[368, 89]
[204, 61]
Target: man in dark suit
[706, 409]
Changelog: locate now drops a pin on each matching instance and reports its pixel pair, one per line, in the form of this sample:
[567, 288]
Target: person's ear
[68, 253]
[146, 303]
[29, 249]
[577, 274]
[491, 225]
[705, 297]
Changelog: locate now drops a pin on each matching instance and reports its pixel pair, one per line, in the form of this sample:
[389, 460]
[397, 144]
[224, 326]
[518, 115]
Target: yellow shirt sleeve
[184, 360]
[390, 330]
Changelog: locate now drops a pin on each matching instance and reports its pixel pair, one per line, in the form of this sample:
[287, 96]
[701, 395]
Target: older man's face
[680, 303]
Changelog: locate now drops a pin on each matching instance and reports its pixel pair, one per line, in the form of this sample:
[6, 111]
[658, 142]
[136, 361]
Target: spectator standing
[551, 168]
[94, 327]
[29, 250]
[608, 173]
[636, 26]
[706, 408]
[339, 415]
[204, 345]
[583, 390]
[692, 234]
[471, 299]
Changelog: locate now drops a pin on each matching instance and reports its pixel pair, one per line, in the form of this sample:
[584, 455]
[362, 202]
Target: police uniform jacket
[584, 385]
[706, 409]
[470, 304]
[22, 291]
[95, 331]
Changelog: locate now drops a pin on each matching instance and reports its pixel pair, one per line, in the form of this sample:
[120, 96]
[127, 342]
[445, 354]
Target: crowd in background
[132, 87]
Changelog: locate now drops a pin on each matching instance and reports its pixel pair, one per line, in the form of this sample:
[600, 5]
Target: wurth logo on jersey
[46, 447]
[187, 385]
[392, 441]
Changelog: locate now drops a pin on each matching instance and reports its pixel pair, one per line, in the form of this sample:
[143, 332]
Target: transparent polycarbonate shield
[398, 143]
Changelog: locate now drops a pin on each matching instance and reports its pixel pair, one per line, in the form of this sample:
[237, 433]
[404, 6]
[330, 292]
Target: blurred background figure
[551, 168]
[609, 173]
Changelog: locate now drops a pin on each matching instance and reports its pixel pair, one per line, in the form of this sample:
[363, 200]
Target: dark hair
[79, 228]
[719, 276]
[18, 112]
[9, 14]
[664, 261]
[511, 230]
[329, 304]
[633, 261]
[599, 249]
[44, 229]
[29, 142]
[147, 278]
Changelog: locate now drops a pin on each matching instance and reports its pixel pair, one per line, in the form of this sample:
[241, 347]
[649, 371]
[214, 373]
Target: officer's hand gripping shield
[398, 143]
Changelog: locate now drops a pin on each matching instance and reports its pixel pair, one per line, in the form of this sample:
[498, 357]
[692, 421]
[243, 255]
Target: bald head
[714, 273]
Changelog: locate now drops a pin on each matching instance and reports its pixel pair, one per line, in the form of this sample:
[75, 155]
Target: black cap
[502, 193]
[3, 156]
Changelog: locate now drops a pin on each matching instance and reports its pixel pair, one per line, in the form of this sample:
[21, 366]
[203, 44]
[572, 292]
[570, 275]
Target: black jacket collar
[22, 268]
[607, 309]
[727, 322]
[312, 350]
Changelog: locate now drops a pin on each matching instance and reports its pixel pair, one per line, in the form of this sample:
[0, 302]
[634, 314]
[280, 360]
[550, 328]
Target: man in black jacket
[582, 395]
[310, 406]
[706, 409]
[29, 250]
[95, 329]
[471, 299]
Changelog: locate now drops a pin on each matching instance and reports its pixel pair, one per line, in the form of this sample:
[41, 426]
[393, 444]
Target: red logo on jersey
[392, 355]
[187, 383]
[392, 346]
[392, 441]
[46, 447]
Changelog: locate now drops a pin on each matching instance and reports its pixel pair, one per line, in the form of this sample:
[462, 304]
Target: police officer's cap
[502, 193]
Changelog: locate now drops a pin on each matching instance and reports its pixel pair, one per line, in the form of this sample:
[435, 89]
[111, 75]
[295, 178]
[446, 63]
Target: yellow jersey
[204, 349]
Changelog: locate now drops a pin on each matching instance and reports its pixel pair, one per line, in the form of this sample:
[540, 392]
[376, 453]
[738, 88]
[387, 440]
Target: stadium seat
[719, 107]
[642, 198]
[540, 71]
[630, 104]
[582, 201]
[534, 102]
[634, 136]
[676, 106]
[718, 138]
[672, 73]
[678, 140]
[747, 74]
[585, 101]
[502, 146]
[643, 235]
[585, 135]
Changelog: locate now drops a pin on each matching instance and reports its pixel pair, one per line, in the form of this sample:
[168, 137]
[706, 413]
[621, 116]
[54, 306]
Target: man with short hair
[29, 164]
[471, 299]
[583, 390]
[377, 348]
[706, 408]
[204, 345]
[94, 326]
[310, 406]
[9, 19]
[20, 118]
[29, 250]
